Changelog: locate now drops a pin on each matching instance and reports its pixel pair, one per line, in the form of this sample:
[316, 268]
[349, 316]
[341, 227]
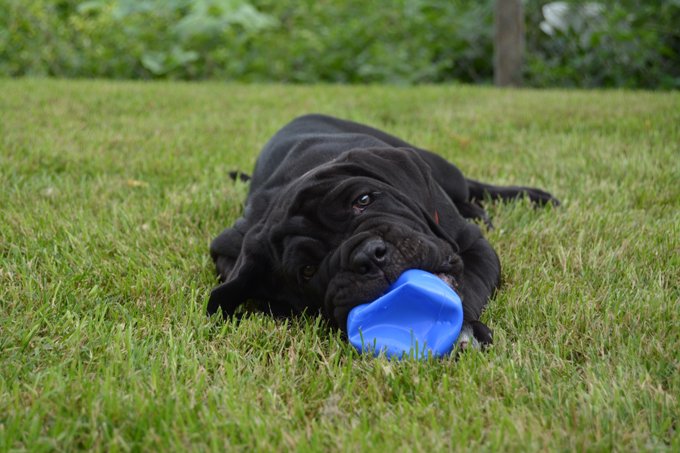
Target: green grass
[111, 192]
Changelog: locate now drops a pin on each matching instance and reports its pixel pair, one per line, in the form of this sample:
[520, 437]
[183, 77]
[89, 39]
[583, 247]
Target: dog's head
[339, 235]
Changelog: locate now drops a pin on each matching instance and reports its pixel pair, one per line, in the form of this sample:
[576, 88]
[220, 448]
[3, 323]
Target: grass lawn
[111, 192]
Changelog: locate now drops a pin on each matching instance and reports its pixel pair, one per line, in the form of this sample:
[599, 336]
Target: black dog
[338, 210]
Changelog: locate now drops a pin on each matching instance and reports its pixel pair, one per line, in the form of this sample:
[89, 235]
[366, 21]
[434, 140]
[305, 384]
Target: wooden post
[508, 42]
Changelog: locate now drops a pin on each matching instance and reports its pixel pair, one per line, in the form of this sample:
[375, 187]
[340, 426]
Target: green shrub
[616, 44]
[630, 43]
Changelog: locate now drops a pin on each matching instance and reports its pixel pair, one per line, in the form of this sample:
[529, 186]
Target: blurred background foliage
[589, 44]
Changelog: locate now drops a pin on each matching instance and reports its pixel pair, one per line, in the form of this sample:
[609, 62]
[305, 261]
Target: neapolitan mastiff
[338, 210]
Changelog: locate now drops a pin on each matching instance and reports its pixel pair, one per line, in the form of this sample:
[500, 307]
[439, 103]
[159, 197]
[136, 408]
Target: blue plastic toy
[418, 314]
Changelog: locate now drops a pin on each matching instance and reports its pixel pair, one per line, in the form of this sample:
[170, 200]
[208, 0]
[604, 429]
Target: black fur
[338, 210]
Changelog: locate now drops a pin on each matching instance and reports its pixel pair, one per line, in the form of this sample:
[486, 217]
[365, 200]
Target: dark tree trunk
[508, 42]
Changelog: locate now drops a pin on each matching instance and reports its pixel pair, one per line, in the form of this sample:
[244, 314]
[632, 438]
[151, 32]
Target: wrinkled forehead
[320, 204]
[327, 188]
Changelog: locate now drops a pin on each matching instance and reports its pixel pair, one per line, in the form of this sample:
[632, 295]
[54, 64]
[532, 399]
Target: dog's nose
[370, 254]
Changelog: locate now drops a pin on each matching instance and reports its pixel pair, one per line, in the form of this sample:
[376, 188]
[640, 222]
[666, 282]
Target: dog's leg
[479, 191]
[474, 335]
[481, 278]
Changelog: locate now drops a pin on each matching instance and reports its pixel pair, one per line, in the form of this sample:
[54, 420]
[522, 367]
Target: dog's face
[339, 235]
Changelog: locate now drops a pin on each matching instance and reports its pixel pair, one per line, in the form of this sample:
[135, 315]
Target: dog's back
[310, 141]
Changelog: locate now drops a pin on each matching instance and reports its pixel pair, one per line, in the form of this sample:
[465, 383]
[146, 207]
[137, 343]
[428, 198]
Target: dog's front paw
[474, 335]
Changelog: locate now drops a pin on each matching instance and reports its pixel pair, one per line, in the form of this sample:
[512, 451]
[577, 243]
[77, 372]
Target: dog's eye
[363, 201]
[308, 272]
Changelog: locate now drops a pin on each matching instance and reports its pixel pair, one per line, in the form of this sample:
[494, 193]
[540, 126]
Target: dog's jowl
[337, 211]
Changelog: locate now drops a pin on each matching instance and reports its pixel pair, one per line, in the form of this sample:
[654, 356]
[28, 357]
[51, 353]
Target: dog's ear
[244, 281]
[225, 249]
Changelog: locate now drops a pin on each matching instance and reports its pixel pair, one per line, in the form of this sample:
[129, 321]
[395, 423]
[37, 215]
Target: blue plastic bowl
[419, 314]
